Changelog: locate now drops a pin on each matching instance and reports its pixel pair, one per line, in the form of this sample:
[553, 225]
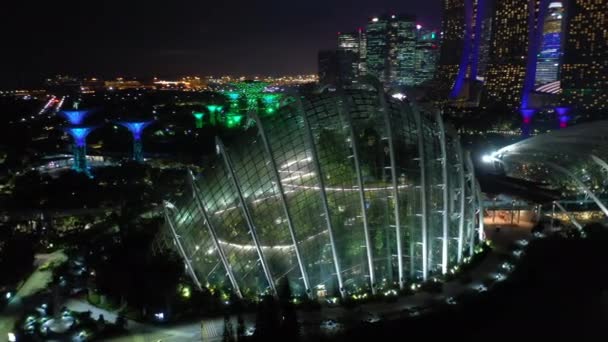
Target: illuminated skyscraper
[377, 48]
[460, 56]
[337, 67]
[352, 46]
[452, 42]
[585, 61]
[402, 50]
[426, 55]
[508, 52]
[485, 40]
[547, 66]
[391, 49]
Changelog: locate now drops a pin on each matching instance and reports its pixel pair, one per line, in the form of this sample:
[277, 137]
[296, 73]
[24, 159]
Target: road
[23, 300]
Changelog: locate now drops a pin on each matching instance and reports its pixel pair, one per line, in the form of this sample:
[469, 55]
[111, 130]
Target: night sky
[167, 38]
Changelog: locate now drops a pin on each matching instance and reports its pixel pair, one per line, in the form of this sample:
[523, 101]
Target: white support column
[423, 189]
[580, 186]
[395, 185]
[572, 219]
[345, 109]
[247, 214]
[201, 206]
[322, 192]
[462, 184]
[473, 182]
[481, 232]
[445, 193]
[277, 177]
[166, 206]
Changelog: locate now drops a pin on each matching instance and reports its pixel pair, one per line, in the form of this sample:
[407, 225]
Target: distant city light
[418, 27]
[375, 20]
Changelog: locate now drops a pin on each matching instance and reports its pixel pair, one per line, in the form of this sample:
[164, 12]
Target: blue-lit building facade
[549, 56]
[339, 193]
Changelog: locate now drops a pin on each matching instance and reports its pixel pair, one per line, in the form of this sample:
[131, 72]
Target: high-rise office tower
[402, 50]
[390, 49]
[353, 44]
[336, 67]
[452, 43]
[426, 55]
[377, 48]
[547, 65]
[585, 62]
[485, 40]
[459, 60]
[508, 52]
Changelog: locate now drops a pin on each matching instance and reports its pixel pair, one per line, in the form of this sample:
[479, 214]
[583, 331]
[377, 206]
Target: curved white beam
[580, 186]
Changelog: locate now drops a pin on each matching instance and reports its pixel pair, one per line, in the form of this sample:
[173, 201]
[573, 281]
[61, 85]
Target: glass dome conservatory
[339, 192]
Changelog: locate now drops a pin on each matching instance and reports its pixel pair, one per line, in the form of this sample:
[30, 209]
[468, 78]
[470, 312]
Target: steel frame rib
[599, 161]
[581, 186]
[274, 171]
[472, 181]
[345, 109]
[481, 232]
[323, 194]
[213, 233]
[422, 164]
[563, 210]
[247, 214]
[462, 182]
[446, 195]
[395, 185]
[180, 247]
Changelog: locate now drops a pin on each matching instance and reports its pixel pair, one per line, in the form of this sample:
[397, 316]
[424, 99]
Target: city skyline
[116, 39]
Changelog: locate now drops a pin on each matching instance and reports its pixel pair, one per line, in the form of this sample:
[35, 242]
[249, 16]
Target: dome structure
[340, 193]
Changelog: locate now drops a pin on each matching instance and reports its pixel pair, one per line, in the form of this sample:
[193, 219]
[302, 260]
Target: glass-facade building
[339, 193]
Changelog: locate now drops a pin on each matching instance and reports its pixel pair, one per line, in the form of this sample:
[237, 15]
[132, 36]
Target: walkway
[213, 329]
[23, 300]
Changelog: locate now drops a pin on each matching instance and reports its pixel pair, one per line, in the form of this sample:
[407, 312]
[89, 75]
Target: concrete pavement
[21, 302]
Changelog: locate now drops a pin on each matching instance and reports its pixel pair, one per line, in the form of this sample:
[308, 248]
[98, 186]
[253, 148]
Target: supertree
[271, 102]
[136, 128]
[214, 111]
[563, 115]
[527, 114]
[198, 119]
[79, 148]
[252, 91]
[75, 117]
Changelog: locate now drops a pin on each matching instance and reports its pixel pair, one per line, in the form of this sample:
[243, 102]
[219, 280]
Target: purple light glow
[527, 114]
[561, 111]
[79, 134]
[136, 128]
[75, 117]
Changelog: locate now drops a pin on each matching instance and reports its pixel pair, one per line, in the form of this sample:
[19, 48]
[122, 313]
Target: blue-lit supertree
[136, 128]
[75, 117]
[79, 149]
